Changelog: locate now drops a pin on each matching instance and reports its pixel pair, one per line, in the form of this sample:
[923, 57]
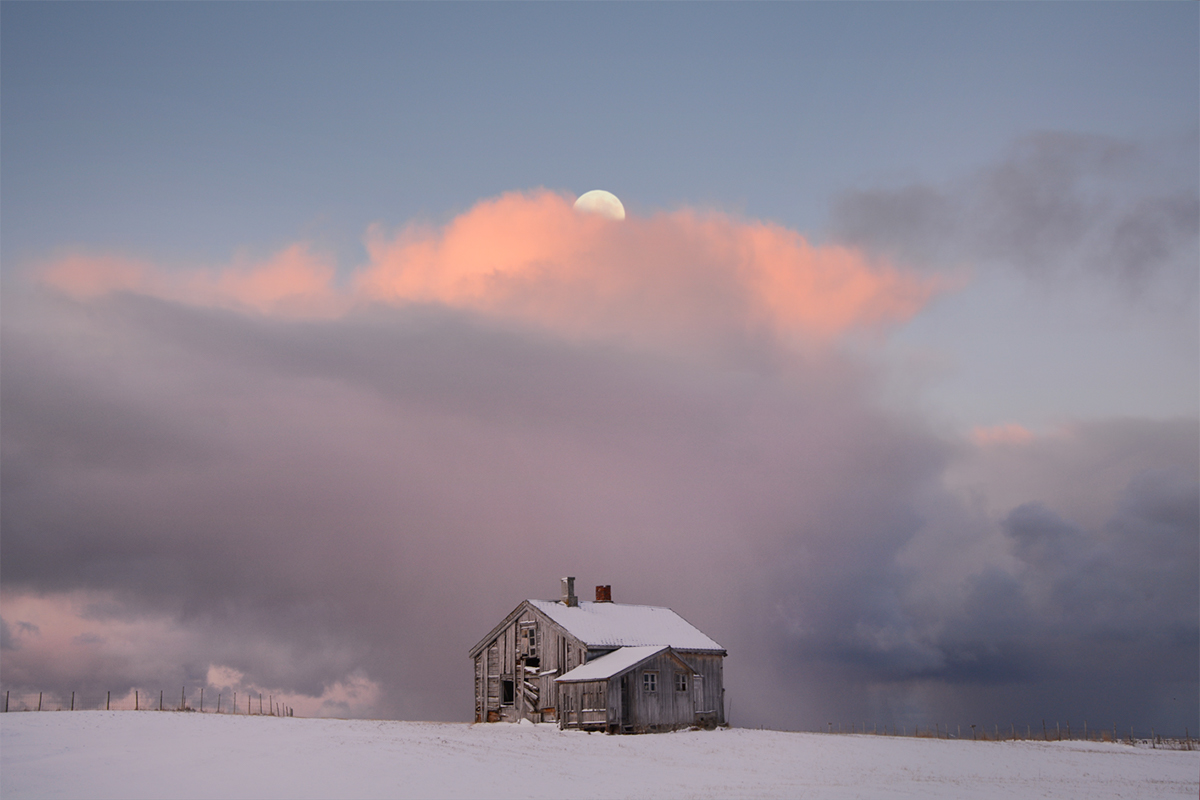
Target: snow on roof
[610, 664]
[622, 625]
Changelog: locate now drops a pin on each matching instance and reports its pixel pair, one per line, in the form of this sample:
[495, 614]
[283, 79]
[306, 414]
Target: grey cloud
[1058, 205]
[7, 640]
[1078, 605]
[307, 499]
[85, 639]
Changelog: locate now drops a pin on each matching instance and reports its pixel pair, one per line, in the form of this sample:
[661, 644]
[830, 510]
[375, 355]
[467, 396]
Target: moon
[600, 202]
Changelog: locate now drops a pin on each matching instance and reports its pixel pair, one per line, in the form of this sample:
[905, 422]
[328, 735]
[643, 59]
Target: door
[698, 694]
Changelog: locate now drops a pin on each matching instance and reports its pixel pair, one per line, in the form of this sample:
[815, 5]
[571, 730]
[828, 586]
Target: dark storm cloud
[303, 501]
[1059, 203]
[359, 488]
[381, 488]
[7, 640]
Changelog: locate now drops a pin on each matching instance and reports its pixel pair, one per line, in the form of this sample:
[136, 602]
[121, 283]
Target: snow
[177, 755]
[623, 625]
[610, 664]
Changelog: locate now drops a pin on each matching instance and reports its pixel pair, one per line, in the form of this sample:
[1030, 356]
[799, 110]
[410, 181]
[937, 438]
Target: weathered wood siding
[508, 657]
[583, 705]
[710, 667]
[659, 705]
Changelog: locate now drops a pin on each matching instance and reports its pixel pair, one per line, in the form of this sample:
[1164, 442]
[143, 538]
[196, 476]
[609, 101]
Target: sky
[889, 381]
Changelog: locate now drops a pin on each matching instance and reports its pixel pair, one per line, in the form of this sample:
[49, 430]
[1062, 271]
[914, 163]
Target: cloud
[295, 281]
[334, 505]
[531, 258]
[1059, 206]
[1010, 433]
[1000, 589]
[7, 640]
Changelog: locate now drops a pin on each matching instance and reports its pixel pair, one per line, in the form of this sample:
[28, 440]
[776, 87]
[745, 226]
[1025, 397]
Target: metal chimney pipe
[568, 593]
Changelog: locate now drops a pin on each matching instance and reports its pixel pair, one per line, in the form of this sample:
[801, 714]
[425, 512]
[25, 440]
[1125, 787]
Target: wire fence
[260, 704]
[202, 700]
[1043, 733]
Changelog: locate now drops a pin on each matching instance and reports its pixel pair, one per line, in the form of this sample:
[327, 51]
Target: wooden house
[598, 666]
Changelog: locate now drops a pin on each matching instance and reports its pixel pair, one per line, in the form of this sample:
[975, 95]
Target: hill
[180, 755]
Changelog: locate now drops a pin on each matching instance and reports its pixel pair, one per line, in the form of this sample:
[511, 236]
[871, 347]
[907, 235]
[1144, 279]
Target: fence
[246, 703]
[1030, 733]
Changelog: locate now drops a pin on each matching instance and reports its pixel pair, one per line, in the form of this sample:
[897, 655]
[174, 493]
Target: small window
[531, 642]
[650, 681]
[681, 681]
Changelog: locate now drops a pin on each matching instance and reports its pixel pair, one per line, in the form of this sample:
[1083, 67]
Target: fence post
[218, 702]
[39, 701]
[201, 699]
[135, 700]
[160, 699]
[72, 701]
[108, 701]
[6, 702]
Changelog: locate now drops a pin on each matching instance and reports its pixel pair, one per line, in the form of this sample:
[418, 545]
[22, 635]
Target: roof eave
[494, 632]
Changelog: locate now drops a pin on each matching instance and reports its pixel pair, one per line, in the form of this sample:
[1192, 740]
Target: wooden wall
[535, 695]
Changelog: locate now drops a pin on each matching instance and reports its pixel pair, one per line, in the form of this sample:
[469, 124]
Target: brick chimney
[603, 594]
[568, 593]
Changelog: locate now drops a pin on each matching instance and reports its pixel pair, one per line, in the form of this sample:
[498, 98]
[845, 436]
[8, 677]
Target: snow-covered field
[167, 755]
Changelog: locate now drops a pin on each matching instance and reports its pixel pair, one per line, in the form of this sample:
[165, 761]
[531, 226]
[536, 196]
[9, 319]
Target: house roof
[625, 626]
[610, 664]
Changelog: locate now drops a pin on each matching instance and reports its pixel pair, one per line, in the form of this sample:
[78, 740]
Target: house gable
[513, 617]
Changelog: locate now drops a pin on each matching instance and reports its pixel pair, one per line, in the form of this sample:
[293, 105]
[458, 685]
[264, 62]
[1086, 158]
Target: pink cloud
[531, 258]
[84, 276]
[1009, 434]
[295, 281]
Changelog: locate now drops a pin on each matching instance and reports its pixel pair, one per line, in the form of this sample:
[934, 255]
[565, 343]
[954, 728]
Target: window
[530, 636]
[681, 681]
[506, 693]
[649, 681]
